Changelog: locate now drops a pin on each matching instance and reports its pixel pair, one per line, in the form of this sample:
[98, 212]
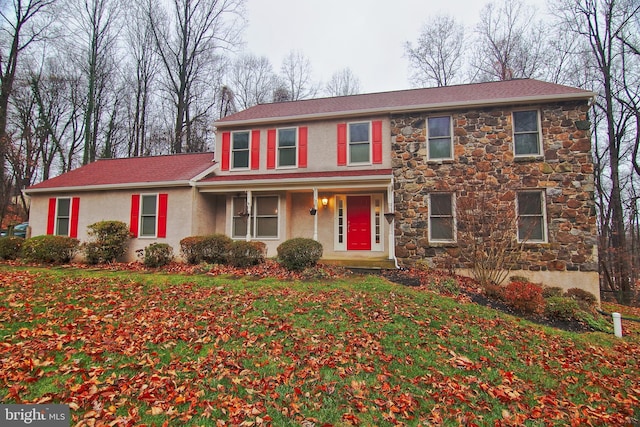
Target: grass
[132, 348]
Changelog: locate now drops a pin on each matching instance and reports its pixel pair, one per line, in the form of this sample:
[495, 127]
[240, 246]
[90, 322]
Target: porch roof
[380, 178]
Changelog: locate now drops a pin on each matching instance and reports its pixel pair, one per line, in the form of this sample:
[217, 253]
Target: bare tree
[296, 75]
[609, 28]
[186, 40]
[510, 43]
[437, 57]
[343, 83]
[19, 28]
[252, 80]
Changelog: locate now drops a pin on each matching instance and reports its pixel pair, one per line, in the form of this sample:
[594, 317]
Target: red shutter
[226, 150]
[271, 149]
[376, 136]
[162, 215]
[302, 147]
[135, 212]
[342, 144]
[51, 216]
[255, 149]
[75, 209]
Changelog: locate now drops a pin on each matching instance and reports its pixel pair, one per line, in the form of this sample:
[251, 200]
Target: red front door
[359, 223]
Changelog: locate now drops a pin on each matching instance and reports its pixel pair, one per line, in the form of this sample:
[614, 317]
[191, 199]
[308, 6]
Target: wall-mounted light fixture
[324, 202]
[390, 216]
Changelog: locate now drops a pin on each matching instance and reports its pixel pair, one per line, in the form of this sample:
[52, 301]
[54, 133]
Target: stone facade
[484, 161]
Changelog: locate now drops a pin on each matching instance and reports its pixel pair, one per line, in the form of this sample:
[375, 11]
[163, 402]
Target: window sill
[531, 158]
[443, 243]
[440, 161]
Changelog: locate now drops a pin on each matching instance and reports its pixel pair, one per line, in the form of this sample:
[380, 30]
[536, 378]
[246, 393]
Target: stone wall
[484, 162]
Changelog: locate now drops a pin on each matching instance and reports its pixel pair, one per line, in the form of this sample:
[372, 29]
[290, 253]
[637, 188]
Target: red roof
[133, 170]
[510, 91]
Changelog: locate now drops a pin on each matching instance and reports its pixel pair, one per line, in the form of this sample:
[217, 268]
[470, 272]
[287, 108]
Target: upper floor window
[440, 145]
[287, 147]
[526, 133]
[359, 142]
[441, 217]
[531, 217]
[240, 150]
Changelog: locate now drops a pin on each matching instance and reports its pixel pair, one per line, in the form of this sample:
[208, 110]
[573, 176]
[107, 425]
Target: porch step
[362, 264]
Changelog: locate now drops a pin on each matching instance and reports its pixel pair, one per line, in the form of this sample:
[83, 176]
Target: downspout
[392, 228]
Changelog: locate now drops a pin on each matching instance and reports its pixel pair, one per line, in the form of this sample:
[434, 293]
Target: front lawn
[128, 348]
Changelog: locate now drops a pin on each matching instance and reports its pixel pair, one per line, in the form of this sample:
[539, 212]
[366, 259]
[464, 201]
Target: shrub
[211, 249]
[49, 249]
[448, 287]
[552, 291]
[562, 308]
[587, 299]
[157, 255]
[525, 297]
[298, 253]
[110, 239]
[10, 247]
[245, 254]
[495, 292]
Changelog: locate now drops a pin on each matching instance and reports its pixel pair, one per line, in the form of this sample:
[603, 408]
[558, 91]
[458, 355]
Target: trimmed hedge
[10, 247]
[562, 308]
[110, 242]
[157, 255]
[245, 254]
[49, 249]
[211, 249]
[299, 253]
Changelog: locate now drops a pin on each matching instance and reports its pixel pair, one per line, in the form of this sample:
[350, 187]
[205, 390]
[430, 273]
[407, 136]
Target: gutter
[104, 187]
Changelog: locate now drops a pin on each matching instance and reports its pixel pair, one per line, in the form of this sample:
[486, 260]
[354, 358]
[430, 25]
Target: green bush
[449, 286]
[157, 255]
[109, 242]
[245, 254]
[299, 253]
[562, 308]
[49, 249]
[552, 291]
[211, 249]
[585, 298]
[10, 247]
[525, 297]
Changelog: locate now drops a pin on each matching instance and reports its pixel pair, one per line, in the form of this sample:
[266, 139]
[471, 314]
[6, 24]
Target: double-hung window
[148, 215]
[240, 150]
[261, 221]
[359, 142]
[526, 133]
[287, 147]
[63, 217]
[531, 217]
[439, 146]
[441, 217]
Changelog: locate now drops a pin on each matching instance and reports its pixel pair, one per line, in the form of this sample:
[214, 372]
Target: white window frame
[253, 217]
[295, 148]
[232, 151]
[58, 217]
[349, 143]
[543, 214]
[454, 225]
[141, 215]
[437, 159]
[539, 133]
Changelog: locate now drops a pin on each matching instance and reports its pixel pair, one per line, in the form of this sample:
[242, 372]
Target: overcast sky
[367, 36]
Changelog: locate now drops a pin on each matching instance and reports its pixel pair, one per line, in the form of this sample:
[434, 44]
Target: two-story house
[375, 178]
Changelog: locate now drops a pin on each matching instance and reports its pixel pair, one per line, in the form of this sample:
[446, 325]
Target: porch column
[315, 217]
[392, 228]
[249, 202]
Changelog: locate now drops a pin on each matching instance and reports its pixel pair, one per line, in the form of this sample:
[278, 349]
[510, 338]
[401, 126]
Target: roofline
[276, 183]
[102, 187]
[410, 108]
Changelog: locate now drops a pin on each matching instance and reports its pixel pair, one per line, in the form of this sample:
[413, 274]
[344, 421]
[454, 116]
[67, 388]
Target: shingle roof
[510, 91]
[134, 170]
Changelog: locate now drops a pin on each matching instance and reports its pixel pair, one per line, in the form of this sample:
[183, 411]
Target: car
[19, 230]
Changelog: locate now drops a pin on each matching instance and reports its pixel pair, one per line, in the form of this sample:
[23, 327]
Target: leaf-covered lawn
[133, 349]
